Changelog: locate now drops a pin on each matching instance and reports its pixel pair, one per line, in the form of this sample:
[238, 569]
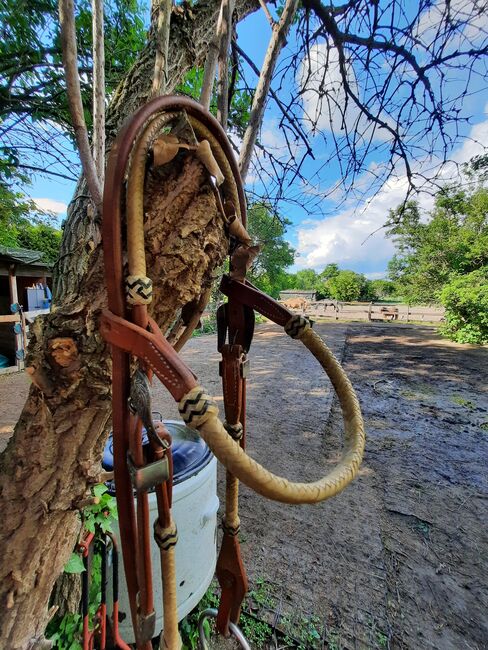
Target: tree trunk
[54, 455]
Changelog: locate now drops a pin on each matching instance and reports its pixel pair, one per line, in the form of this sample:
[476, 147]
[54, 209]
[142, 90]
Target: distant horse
[297, 304]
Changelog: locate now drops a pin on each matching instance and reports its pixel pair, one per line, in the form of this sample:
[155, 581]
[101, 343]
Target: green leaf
[74, 564]
[99, 490]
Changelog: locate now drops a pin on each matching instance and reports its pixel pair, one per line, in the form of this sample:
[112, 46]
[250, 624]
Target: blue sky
[336, 231]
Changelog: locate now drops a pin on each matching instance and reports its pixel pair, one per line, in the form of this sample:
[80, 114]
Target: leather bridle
[132, 333]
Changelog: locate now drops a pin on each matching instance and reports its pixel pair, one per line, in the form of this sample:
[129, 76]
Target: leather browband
[152, 348]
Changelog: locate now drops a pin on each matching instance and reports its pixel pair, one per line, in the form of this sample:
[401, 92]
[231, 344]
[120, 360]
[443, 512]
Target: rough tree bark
[54, 455]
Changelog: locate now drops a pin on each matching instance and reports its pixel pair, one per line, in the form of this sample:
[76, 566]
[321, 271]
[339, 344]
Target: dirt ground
[400, 558]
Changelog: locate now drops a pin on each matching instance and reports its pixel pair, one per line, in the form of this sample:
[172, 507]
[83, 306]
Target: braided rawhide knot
[235, 431]
[297, 326]
[196, 407]
[138, 289]
[165, 538]
[234, 530]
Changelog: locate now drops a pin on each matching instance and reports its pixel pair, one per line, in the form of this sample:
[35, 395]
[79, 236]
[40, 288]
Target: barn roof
[22, 256]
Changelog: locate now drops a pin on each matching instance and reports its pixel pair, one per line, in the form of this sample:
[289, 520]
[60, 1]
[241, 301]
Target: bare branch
[264, 7]
[160, 78]
[98, 90]
[211, 62]
[68, 42]
[284, 109]
[275, 46]
[223, 78]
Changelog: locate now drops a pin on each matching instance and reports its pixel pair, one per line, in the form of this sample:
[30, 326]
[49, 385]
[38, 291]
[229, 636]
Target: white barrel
[195, 506]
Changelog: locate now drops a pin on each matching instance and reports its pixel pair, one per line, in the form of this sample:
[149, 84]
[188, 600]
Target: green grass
[461, 401]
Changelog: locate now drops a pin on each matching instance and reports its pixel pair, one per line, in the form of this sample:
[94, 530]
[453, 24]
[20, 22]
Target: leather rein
[133, 334]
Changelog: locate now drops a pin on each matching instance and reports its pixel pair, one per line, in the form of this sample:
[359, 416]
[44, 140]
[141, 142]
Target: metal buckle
[149, 476]
[245, 367]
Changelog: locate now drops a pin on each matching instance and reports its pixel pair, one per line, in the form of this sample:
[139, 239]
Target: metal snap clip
[234, 630]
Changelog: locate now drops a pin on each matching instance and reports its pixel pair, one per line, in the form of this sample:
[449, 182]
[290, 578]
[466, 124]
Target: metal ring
[234, 630]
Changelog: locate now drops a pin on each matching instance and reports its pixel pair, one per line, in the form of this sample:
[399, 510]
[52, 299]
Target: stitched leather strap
[152, 348]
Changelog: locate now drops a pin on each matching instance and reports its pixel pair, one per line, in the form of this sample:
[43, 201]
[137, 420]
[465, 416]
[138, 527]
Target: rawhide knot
[138, 289]
[165, 538]
[233, 531]
[235, 431]
[297, 325]
[196, 407]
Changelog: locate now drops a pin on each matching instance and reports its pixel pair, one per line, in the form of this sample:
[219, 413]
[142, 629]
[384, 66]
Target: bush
[465, 298]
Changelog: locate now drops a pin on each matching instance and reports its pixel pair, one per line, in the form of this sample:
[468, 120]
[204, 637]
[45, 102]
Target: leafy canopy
[34, 115]
[24, 225]
[431, 249]
[443, 257]
[268, 271]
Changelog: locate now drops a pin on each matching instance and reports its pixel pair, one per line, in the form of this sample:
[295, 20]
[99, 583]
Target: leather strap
[236, 322]
[246, 294]
[232, 370]
[152, 348]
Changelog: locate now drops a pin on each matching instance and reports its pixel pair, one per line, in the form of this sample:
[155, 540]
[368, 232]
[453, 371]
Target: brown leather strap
[125, 497]
[152, 348]
[236, 322]
[246, 294]
[233, 583]
[232, 370]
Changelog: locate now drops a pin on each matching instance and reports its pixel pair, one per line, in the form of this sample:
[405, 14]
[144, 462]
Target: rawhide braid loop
[234, 530]
[138, 289]
[236, 431]
[165, 538]
[197, 408]
[296, 326]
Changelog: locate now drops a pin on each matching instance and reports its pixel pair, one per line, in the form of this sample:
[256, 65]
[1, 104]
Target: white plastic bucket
[195, 506]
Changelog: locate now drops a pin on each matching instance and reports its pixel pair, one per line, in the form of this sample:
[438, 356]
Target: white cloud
[50, 205]
[470, 15]
[325, 104]
[347, 238]
[341, 239]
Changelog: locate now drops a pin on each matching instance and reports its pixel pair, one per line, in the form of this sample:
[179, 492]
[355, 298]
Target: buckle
[148, 476]
[245, 368]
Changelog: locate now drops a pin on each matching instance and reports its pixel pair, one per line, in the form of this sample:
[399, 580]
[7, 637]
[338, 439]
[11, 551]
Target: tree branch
[211, 61]
[223, 59]
[264, 7]
[285, 112]
[98, 90]
[68, 42]
[160, 78]
[275, 46]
